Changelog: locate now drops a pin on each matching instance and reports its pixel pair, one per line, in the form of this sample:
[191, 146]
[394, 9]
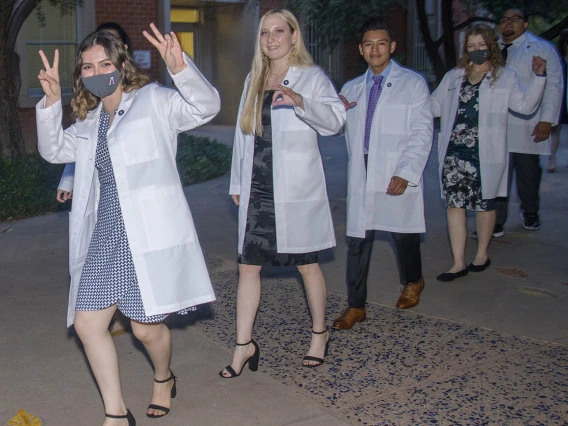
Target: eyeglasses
[515, 18]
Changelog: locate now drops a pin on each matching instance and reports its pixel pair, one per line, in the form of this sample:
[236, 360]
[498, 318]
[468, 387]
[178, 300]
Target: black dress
[461, 173]
[259, 246]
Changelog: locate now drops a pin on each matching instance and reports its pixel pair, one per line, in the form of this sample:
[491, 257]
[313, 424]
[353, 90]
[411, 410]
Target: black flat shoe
[479, 268]
[128, 416]
[319, 361]
[172, 395]
[251, 360]
[450, 276]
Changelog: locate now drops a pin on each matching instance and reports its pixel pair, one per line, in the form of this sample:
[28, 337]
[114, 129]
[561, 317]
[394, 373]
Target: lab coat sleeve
[194, 103]
[323, 110]
[67, 178]
[413, 159]
[238, 148]
[436, 98]
[552, 97]
[55, 145]
[525, 102]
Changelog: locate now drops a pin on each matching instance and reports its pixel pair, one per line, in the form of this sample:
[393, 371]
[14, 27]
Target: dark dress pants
[358, 257]
[528, 174]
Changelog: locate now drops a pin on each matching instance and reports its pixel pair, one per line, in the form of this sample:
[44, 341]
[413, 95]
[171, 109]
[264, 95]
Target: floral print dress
[260, 247]
[461, 173]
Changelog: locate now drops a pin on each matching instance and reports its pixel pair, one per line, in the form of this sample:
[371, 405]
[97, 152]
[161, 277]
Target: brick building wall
[134, 16]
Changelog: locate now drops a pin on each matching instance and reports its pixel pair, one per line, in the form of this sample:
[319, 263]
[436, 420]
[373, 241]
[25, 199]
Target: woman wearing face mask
[473, 100]
[277, 178]
[119, 324]
[133, 245]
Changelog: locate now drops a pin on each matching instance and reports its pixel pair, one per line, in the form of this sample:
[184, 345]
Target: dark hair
[374, 24]
[113, 26]
[563, 43]
[524, 15]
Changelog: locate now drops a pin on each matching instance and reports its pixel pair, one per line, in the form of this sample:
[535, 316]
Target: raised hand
[284, 96]
[169, 48]
[49, 79]
[539, 65]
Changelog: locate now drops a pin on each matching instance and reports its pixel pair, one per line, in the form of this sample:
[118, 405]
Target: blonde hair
[495, 59]
[251, 116]
[131, 77]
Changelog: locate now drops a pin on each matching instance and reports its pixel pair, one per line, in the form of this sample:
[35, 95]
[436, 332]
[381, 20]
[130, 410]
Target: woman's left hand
[284, 96]
[169, 48]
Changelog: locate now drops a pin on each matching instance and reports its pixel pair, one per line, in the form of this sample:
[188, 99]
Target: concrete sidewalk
[491, 348]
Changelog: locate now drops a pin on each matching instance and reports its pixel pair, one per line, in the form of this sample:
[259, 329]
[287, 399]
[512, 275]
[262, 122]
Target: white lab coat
[400, 142]
[67, 178]
[303, 216]
[495, 100]
[142, 143]
[521, 126]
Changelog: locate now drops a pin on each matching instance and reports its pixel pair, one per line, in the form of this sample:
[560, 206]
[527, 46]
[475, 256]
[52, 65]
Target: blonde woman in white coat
[133, 245]
[277, 178]
[473, 101]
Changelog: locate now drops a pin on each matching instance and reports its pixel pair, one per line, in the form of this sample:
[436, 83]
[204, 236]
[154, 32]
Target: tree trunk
[11, 141]
[13, 13]
[431, 48]
[448, 30]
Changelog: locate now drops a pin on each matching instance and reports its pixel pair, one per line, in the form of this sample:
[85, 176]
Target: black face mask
[478, 57]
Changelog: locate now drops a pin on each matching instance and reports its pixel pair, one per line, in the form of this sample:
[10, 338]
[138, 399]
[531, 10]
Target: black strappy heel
[251, 360]
[172, 395]
[319, 361]
[128, 416]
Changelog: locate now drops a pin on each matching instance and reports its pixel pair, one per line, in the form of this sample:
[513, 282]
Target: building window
[59, 32]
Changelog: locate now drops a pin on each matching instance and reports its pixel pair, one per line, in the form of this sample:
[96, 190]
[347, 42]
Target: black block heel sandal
[251, 360]
[172, 395]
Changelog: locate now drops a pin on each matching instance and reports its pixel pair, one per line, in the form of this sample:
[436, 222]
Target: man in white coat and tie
[389, 136]
[528, 136]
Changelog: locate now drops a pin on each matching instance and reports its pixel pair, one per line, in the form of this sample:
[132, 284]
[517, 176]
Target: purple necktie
[373, 99]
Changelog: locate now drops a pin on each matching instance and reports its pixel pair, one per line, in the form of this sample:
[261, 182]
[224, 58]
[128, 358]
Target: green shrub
[28, 184]
[200, 159]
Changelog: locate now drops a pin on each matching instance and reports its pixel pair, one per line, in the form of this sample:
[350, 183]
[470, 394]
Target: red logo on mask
[111, 81]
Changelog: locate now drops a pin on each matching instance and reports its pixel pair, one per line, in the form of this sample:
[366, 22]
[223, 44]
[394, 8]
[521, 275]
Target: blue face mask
[102, 85]
[478, 57]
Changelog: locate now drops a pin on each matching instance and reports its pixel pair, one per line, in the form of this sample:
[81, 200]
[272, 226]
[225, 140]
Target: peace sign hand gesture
[49, 79]
[169, 48]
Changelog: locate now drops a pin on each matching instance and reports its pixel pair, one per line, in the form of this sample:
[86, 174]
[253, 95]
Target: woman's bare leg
[248, 300]
[457, 229]
[314, 283]
[92, 328]
[485, 222]
[157, 341]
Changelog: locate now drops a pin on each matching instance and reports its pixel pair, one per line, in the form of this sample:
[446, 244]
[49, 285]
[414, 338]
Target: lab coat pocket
[137, 141]
[166, 219]
[395, 119]
[304, 176]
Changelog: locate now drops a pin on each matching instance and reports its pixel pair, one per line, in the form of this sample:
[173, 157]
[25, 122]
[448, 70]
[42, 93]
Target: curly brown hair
[495, 59]
[131, 77]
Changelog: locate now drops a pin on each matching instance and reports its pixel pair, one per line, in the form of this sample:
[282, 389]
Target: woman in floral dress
[473, 100]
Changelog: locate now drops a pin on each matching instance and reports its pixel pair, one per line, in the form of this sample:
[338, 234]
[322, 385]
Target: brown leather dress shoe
[349, 317]
[410, 295]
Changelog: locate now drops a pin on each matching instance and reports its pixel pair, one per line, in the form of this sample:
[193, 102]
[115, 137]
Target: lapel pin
[121, 112]
[389, 84]
[285, 82]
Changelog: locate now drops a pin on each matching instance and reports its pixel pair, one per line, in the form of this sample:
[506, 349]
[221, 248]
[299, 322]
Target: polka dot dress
[108, 276]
